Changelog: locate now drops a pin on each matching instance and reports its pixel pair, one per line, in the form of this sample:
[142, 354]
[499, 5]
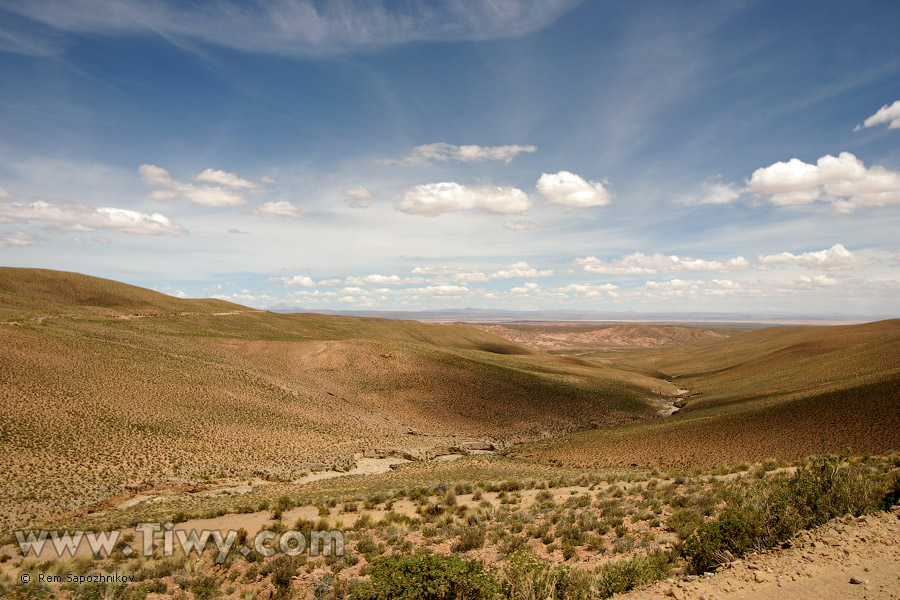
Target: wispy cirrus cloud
[711, 191]
[298, 28]
[428, 154]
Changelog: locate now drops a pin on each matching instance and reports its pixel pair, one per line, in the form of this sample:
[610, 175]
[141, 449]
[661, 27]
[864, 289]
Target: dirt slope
[819, 566]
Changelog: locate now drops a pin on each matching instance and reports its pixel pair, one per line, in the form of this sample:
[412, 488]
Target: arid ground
[581, 445]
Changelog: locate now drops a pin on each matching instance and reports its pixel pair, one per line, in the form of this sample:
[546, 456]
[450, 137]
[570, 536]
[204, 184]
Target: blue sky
[611, 156]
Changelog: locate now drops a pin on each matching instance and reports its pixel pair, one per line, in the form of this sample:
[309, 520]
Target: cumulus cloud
[428, 154]
[378, 279]
[296, 280]
[432, 199]
[712, 191]
[65, 216]
[168, 188]
[834, 258]
[640, 263]
[358, 196]
[4, 195]
[17, 239]
[279, 209]
[520, 225]
[885, 114]
[457, 274]
[569, 189]
[470, 277]
[844, 181]
[521, 269]
[440, 290]
[589, 290]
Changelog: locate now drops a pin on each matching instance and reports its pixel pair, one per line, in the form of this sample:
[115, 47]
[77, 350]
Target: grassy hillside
[91, 402]
[783, 392]
[31, 292]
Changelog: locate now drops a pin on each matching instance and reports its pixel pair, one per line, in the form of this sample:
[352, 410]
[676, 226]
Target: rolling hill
[781, 392]
[106, 386]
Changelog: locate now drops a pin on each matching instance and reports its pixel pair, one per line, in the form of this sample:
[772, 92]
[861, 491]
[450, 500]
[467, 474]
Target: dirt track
[819, 566]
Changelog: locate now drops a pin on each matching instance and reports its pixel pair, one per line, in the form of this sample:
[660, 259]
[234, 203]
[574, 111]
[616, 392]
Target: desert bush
[622, 576]
[424, 576]
[470, 539]
[772, 511]
[684, 522]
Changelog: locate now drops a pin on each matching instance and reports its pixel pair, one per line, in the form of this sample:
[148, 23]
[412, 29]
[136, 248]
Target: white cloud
[227, 179]
[442, 270]
[885, 114]
[526, 288]
[455, 273]
[521, 269]
[378, 279]
[834, 258]
[4, 195]
[520, 225]
[279, 209]
[470, 277]
[640, 263]
[428, 154]
[844, 181]
[296, 280]
[897, 256]
[432, 199]
[17, 239]
[297, 28]
[712, 191]
[358, 196]
[440, 290]
[101, 240]
[72, 216]
[569, 189]
[170, 189]
[171, 291]
[589, 290]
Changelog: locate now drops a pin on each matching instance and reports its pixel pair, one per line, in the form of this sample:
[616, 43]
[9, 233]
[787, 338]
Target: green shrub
[622, 576]
[684, 522]
[423, 576]
[712, 540]
[772, 511]
[470, 539]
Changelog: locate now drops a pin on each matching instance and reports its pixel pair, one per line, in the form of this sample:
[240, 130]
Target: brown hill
[91, 402]
[573, 336]
[782, 392]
